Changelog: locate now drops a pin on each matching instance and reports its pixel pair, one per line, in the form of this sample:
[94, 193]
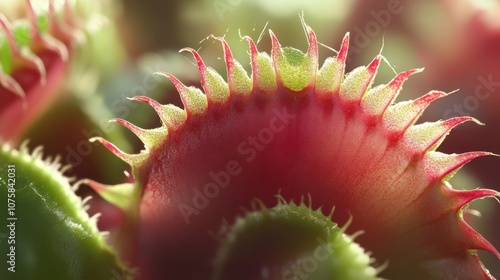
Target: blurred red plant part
[38, 70]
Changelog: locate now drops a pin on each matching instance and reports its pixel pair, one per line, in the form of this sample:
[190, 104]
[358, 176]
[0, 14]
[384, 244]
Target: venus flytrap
[42, 53]
[350, 146]
[34, 62]
[54, 56]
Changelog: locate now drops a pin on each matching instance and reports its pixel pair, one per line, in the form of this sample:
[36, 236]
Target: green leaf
[290, 241]
[45, 232]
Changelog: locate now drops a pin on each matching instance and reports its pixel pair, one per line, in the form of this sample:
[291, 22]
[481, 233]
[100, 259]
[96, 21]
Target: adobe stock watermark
[120, 108]
[307, 266]
[471, 103]
[248, 150]
[381, 19]
[223, 6]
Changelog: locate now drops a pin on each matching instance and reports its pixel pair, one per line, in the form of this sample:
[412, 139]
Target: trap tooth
[150, 137]
[275, 46]
[58, 29]
[22, 59]
[195, 102]
[473, 240]
[8, 32]
[464, 197]
[294, 69]
[171, 116]
[174, 116]
[32, 18]
[440, 166]
[237, 77]
[358, 82]
[263, 74]
[34, 31]
[123, 195]
[312, 51]
[399, 117]
[447, 236]
[134, 160]
[39, 42]
[330, 75]
[378, 99]
[8, 83]
[216, 89]
[69, 16]
[344, 48]
[428, 136]
[30, 60]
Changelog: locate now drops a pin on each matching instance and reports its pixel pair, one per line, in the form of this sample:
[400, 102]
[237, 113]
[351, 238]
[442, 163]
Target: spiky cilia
[297, 129]
[292, 242]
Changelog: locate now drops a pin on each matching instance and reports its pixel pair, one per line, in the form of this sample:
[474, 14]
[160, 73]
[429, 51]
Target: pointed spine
[440, 166]
[171, 116]
[358, 82]
[295, 70]
[134, 160]
[312, 52]
[34, 31]
[11, 85]
[237, 77]
[263, 74]
[427, 136]
[464, 197]
[214, 86]
[122, 196]
[8, 32]
[195, 102]
[22, 59]
[276, 54]
[475, 241]
[69, 14]
[399, 117]
[66, 30]
[39, 42]
[378, 99]
[150, 137]
[331, 74]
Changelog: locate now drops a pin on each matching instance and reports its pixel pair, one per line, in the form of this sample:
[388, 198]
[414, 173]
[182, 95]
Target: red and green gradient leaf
[296, 129]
